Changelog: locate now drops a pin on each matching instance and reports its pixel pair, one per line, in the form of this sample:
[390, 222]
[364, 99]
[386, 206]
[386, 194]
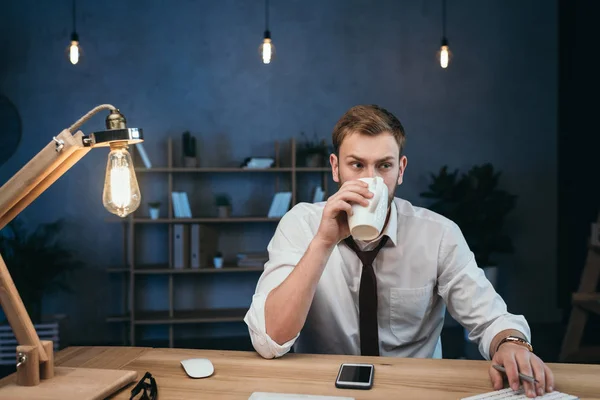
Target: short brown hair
[367, 120]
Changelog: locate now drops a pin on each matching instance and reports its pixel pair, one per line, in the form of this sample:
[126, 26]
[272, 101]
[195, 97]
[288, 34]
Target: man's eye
[386, 165]
[356, 165]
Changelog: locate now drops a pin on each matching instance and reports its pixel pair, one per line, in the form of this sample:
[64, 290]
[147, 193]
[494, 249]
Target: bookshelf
[284, 172]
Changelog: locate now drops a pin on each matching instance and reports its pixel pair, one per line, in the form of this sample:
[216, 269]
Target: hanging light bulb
[444, 54]
[121, 194]
[74, 52]
[267, 49]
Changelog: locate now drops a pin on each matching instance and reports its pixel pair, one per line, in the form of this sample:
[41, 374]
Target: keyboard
[293, 396]
[509, 394]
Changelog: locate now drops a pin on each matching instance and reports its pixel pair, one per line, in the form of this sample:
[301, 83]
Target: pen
[522, 376]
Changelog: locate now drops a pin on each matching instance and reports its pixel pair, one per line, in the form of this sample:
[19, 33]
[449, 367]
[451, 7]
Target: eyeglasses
[150, 388]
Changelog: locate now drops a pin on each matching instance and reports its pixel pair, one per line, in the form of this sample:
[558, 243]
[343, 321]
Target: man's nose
[370, 172]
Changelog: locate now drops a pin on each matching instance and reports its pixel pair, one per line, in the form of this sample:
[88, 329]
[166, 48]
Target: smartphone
[355, 376]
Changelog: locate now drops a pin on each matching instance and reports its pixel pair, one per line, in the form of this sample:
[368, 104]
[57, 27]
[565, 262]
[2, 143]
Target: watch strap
[516, 340]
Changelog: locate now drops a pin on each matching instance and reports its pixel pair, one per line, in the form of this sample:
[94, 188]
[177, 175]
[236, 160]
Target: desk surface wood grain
[238, 374]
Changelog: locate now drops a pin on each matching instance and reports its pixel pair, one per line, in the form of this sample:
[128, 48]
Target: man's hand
[334, 223]
[516, 358]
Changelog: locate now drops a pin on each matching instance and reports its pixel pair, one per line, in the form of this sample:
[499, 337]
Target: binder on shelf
[181, 248]
[195, 246]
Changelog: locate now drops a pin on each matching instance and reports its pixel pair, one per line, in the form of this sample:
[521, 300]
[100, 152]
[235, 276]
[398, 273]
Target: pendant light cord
[444, 18]
[74, 26]
[266, 15]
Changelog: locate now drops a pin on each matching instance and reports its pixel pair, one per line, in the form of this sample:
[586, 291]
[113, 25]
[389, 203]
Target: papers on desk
[509, 394]
[293, 396]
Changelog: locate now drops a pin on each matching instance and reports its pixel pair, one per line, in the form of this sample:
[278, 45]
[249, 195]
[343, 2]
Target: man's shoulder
[420, 216]
[304, 213]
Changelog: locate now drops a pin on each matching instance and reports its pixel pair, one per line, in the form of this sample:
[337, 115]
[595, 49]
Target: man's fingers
[357, 182]
[512, 373]
[340, 205]
[549, 379]
[524, 365]
[496, 377]
[351, 197]
[356, 186]
[540, 375]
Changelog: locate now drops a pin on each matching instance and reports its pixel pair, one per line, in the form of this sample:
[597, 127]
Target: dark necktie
[367, 298]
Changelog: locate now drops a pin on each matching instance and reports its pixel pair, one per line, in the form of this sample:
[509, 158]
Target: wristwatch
[516, 340]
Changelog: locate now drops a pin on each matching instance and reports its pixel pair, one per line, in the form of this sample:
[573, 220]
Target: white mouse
[198, 367]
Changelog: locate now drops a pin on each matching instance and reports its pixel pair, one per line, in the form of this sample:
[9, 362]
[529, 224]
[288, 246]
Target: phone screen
[355, 373]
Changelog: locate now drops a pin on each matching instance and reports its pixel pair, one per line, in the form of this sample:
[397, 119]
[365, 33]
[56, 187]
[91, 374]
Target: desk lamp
[121, 196]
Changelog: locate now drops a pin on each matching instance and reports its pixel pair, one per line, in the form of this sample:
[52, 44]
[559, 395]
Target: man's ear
[333, 160]
[402, 168]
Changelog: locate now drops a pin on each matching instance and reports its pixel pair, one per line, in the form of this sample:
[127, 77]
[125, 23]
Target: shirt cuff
[262, 342]
[516, 322]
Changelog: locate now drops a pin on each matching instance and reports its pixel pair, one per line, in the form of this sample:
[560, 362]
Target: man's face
[364, 156]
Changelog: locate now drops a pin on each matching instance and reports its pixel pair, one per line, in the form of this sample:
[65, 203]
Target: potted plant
[223, 204]
[38, 263]
[474, 202]
[189, 150]
[218, 260]
[154, 208]
[313, 153]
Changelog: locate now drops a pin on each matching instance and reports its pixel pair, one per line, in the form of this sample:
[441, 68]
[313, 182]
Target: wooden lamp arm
[23, 188]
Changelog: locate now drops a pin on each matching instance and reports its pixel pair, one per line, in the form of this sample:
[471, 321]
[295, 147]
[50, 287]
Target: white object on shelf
[143, 155]
[181, 205]
[154, 212]
[280, 204]
[318, 195]
[218, 262]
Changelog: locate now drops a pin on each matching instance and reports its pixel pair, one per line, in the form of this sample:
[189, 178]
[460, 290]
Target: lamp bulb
[444, 55]
[267, 50]
[74, 52]
[121, 194]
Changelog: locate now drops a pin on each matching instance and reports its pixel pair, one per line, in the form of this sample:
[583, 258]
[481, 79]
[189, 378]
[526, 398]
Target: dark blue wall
[172, 66]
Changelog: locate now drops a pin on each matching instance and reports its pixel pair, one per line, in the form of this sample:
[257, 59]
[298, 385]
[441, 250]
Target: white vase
[218, 262]
[154, 213]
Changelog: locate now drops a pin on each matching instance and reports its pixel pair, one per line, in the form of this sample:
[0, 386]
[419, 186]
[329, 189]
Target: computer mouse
[198, 367]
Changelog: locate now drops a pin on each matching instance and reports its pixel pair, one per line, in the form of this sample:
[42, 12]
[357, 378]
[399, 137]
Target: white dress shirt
[424, 267]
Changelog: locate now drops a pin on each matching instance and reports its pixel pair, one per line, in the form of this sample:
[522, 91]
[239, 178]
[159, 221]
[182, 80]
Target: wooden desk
[238, 374]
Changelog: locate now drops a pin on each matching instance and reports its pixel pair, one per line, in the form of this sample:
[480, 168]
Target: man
[318, 281]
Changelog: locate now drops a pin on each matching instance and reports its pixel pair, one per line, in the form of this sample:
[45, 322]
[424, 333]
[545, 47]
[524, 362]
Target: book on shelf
[181, 205]
[252, 259]
[318, 195]
[280, 204]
